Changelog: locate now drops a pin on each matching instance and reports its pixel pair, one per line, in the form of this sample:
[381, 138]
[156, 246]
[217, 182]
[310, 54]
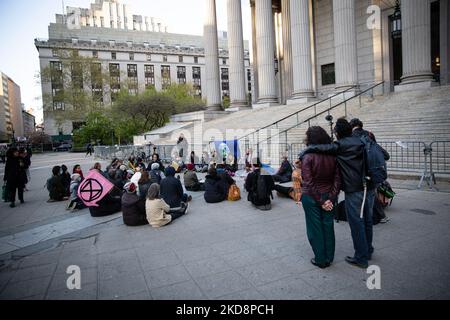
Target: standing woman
[320, 188]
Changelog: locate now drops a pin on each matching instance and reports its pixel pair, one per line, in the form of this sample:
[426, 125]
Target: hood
[129, 199]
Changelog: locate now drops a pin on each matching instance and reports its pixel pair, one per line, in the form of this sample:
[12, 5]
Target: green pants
[320, 230]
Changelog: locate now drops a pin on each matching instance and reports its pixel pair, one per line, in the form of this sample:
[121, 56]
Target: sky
[22, 21]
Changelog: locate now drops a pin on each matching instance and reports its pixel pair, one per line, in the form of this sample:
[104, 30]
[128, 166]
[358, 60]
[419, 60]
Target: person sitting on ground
[114, 164]
[55, 187]
[259, 187]
[107, 206]
[158, 211]
[155, 159]
[77, 169]
[75, 202]
[136, 175]
[156, 175]
[133, 207]
[98, 167]
[144, 184]
[172, 191]
[191, 182]
[216, 187]
[120, 177]
[284, 174]
[65, 179]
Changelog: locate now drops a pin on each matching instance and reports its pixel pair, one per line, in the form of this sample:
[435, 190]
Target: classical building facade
[11, 121]
[130, 53]
[308, 49]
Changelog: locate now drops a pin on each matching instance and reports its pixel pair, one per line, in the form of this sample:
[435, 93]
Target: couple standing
[328, 168]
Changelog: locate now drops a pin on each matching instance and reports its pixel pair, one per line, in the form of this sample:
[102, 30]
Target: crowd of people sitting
[154, 194]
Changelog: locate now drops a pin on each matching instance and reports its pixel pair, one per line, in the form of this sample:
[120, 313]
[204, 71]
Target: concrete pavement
[222, 251]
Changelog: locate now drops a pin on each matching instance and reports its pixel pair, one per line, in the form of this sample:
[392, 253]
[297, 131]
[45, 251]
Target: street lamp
[396, 22]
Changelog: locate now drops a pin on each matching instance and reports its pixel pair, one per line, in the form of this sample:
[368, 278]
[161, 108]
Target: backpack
[234, 193]
[155, 176]
[262, 191]
[375, 161]
[340, 213]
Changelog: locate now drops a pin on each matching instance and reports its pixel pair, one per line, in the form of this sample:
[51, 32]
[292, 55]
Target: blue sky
[21, 21]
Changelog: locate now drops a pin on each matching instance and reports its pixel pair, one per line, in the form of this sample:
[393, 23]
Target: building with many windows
[11, 122]
[139, 57]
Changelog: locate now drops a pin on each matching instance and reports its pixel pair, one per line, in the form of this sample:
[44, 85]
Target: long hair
[153, 192]
[317, 135]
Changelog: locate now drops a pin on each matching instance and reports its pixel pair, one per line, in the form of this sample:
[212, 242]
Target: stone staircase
[420, 116]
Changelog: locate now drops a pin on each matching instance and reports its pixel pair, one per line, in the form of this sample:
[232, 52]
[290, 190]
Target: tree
[98, 128]
[185, 99]
[39, 137]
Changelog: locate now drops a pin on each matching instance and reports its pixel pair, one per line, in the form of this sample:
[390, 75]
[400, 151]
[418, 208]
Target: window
[224, 62]
[195, 59]
[249, 80]
[149, 73]
[56, 76]
[164, 58]
[180, 59]
[165, 77]
[95, 54]
[113, 55]
[149, 57]
[55, 53]
[132, 79]
[114, 73]
[102, 22]
[131, 56]
[328, 74]
[197, 81]
[77, 75]
[181, 74]
[97, 82]
[225, 81]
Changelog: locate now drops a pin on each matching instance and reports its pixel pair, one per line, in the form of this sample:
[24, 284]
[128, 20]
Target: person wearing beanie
[156, 175]
[133, 207]
[191, 180]
[158, 211]
[172, 190]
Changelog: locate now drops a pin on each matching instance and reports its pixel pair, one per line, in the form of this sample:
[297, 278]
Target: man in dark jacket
[15, 176]
[259, 187]
[133, 207]
[172, 190]
[349, 150]
[55, 187]
[284, 174]
[358, 130]
[216, 187]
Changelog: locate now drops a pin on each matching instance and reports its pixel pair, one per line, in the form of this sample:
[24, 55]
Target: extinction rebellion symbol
[91, 190]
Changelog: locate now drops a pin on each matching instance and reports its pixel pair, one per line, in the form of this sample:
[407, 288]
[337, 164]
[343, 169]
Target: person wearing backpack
[350, 153]
[259, 187]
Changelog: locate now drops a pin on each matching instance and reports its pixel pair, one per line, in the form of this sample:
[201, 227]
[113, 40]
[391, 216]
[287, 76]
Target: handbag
[4, 192]
[234, 193]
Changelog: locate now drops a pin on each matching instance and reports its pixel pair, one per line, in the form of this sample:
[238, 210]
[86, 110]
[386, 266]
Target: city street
[221, 251]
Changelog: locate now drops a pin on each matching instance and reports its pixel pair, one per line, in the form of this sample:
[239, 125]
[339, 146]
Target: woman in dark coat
[144, 185]
[216, 187]
[133, 207]
[15, 176]
[55, 187]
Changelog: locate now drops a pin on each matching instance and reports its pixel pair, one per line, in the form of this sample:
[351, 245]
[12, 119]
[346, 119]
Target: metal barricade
[296, 148]
[440, 157]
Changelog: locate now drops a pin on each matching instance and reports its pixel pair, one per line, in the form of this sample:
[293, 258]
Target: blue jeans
[362, 229]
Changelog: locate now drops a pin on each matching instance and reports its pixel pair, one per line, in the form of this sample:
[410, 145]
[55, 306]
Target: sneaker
[385, 220]
[12, 205]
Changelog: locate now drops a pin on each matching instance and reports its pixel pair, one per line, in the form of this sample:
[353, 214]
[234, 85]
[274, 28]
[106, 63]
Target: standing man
[89, 150]
[349, 150]
[15, 176]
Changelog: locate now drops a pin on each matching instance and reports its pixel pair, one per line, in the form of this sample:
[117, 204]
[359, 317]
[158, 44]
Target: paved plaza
[221, 251]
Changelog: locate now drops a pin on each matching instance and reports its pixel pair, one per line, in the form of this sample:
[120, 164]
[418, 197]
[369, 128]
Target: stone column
[266, 52]
[255, 82]
[213, 94]
[416, 42]
[346, 59]
[238, 95]
[287, 49]
[301, 50]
